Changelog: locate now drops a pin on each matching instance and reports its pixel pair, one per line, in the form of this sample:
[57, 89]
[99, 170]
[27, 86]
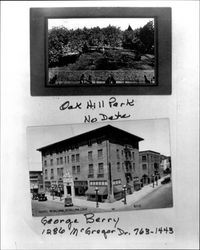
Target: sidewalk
[130, 199]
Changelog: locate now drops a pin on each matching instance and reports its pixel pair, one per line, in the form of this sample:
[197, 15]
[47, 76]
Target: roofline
[89, 133]
[146, 151]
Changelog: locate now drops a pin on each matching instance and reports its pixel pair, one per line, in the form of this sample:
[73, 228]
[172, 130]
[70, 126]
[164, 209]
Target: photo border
[38, 50]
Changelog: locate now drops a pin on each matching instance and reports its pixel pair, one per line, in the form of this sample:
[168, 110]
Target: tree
[57, 39]
[146, 35]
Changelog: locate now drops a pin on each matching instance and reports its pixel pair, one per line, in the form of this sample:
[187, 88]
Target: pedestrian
[108, 80]
[112, 79]
[89, 80]
[82, 79]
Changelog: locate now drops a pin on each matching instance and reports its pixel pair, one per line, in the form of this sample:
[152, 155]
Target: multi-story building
[36, 181]
[106, 158]
[149, 165]
[165, 164]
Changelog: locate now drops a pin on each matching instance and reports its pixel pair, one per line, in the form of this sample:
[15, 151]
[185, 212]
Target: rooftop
[107, 132]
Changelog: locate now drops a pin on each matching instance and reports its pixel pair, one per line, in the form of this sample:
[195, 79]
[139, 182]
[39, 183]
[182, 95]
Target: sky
[154, 132]
[76, 23]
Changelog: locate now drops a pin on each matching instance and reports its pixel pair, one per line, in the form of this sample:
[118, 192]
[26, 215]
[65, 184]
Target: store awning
[102, 190]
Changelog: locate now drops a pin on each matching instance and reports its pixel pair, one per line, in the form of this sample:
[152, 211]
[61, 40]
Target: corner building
[106, 158]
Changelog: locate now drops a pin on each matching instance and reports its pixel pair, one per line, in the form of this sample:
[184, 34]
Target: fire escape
[128, 164]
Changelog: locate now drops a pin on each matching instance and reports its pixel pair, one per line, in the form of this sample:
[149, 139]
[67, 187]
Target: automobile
[68, 202]
[166, 180]
[35, 196]
[42, 197]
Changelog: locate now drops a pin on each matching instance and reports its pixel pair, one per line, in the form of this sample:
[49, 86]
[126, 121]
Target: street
[49, 207]
[160, 198]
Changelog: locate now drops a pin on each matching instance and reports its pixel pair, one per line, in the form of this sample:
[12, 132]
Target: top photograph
[100, 51]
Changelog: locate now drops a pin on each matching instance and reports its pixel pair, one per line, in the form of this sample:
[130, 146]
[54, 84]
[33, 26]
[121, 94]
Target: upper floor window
[45, 163]
[133, 166]
[144, 166]
[100, 153]
[65, 159]
[73, 169]
[57, 159]
[118, 167]
[51, 162]
[73, 158]
[61, 160]
[91, 169]
[99, 141]
[78, 169]
[90, 155]
[133, 155]
[117, 151]
[68, 159]
[77, 157]
[144, 158]
[100, 168]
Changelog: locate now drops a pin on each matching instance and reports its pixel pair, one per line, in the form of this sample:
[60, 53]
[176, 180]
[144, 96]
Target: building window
[118, 167]
[90, 155]
[57, 159]
[61, 172]
[68, 159]
[77, 157]
[98, 183]
[144, 158]
[73, 158]
[144, 166]
[52, 176]
[61, 160]
[133, 155]
[133, 166]
[45, 174]
[91, 169]
[65, 159]
[100, 153]
[51, 162]
[78, 169]
[117, 151]
[100, 170]
[117, 182]
[45, 163]
[73, 169]
[99, 141]
[123, 166]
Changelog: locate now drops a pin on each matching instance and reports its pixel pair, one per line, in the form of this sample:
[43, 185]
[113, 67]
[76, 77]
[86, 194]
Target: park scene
[103, 51]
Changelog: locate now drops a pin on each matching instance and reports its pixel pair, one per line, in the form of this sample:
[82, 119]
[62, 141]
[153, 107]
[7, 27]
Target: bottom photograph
[103, 167]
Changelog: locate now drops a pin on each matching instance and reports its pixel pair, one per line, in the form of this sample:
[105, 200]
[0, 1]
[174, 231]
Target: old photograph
[108, 51]
[104, 167]
[100, 51]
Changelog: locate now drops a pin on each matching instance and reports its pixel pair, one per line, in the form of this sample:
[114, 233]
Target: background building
[106, 158]
[149, 165]
[165, 164]
[36, 181]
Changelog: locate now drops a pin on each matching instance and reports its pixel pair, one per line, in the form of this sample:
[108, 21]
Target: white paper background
[19, 110]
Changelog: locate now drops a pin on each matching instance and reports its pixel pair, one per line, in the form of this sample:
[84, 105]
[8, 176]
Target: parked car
[35, 196]
[68, 202]
[42, 197]
[166, 180]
